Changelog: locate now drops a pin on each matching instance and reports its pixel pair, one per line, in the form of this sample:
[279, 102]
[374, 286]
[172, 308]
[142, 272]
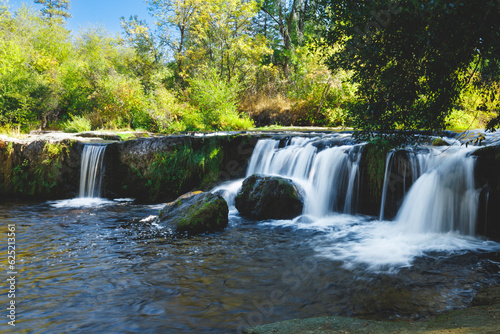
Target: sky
[104, 13]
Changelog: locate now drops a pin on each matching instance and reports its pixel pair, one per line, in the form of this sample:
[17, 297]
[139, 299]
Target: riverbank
[483, 316]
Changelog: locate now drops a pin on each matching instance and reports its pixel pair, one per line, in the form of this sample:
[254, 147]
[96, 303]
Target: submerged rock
[269, 197]
[195, 212]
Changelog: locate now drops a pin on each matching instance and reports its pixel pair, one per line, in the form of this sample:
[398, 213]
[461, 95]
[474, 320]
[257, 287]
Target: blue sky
[105, 13]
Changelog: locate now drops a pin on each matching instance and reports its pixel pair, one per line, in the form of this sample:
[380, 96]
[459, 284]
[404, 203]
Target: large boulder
[195, 212]
[269, 197]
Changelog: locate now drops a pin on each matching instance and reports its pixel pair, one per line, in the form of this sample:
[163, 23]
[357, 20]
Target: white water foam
[385, 246]
[380, 246]
[437, 215]
[81, 202]
[329, 177]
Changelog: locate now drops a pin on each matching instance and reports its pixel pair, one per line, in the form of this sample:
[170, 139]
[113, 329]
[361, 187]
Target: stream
[92, 265]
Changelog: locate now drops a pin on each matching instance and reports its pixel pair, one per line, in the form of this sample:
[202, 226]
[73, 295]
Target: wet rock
[101, 135]
[440, 142]
[160, 169]
[487, 296]
[371, 172]
[42, 169]
[269, 197]
[401, 173]
[195, 212]
[487, 177]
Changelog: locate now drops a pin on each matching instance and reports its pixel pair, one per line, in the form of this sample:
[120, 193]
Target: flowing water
[107, 268]
[92, 171]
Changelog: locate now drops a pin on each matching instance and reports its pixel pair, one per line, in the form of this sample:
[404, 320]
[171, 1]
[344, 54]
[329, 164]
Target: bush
[217, 102]
[76, 124]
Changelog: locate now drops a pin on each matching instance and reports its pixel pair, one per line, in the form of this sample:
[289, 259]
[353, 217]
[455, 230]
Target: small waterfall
[388, 168]
[92, 170]
[443, 198]
[328, 175]
[402, 169]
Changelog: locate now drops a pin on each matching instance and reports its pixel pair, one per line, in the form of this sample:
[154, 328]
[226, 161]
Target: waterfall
[388, 165]
[328, 175]
[402, 169]
[428, 189]
[443, 198]
[92, 170]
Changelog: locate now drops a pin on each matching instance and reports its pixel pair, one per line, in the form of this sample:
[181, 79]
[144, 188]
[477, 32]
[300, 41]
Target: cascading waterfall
[435, 201]
[386, 183]
[403, 171]
[443, 198]
[438, 190]
[329, 177]
[92, 171]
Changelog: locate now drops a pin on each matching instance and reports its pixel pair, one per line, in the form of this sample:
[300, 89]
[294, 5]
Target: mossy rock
[269, 197]
[195, 212]
[372, 172]
[439, 142]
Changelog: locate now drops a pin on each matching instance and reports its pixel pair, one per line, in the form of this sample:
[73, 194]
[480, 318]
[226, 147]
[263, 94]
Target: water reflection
[97, 269]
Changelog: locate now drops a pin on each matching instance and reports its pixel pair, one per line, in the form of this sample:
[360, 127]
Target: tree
[55, 8]
[147, 62]
[212, 34]
[177, 15]
[410, 57]
[286, 19]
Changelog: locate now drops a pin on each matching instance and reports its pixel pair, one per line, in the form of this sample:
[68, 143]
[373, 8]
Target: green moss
[172, 173]
[39, 176]
[376, 155]
[10, 148]
[199, 218]
[439, 142]
[126, 136]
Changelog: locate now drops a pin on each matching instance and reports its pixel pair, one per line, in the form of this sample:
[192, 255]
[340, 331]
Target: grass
[76, 124]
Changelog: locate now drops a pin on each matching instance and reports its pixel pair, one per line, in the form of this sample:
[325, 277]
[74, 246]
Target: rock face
[487, 174]
[371, 172]
[41, 169]
[161, 169]
[195, 212]
[269, 197]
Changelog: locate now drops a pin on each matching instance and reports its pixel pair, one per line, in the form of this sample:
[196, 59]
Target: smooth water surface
[98, 269]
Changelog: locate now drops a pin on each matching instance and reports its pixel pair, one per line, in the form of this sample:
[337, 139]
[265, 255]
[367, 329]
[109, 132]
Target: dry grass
[271, 110]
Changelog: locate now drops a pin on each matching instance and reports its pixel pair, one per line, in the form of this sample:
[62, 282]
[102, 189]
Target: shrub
[76, 124]
[217, 102]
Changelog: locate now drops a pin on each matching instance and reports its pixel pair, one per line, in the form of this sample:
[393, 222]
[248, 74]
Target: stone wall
[154, 169]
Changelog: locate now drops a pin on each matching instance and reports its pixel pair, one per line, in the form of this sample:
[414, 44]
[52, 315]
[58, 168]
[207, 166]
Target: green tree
[175, 17]
[55, 8]
[147, 62]
[212, 34]
[285, 22]
[410, 57]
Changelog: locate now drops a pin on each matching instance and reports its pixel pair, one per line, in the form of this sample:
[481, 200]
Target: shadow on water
[98, 269]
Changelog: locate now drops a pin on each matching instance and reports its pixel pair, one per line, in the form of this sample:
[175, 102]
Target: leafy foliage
[76, 124]
[216, 100]
[55, 8]
[380, 65]
[409, 57]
